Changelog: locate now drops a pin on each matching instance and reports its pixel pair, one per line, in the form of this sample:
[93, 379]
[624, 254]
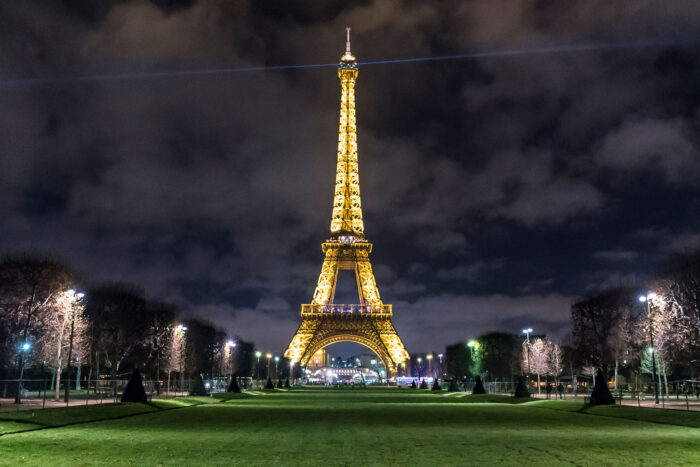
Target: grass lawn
[361, 427]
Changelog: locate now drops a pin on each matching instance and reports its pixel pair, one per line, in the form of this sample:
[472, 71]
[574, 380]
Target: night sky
[495, 190]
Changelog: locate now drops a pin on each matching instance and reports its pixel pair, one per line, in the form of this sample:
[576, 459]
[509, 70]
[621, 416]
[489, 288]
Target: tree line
[50, 324]
[626, 331]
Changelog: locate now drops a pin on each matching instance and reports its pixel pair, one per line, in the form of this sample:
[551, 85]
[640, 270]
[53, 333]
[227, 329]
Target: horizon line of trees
[50, 326]
[612, 330]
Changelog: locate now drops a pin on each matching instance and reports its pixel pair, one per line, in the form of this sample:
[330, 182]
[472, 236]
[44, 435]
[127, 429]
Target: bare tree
[117, 322]
[544, 359]
[597, 326]
[65, 339]
[679, 308]
[29, 285]
[160, 337]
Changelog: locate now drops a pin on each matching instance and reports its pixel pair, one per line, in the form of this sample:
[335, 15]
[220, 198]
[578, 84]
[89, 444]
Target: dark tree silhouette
[233, 385]
[601, 393]
[269, 384]
[118, 322]
[479, 386]
[521, 389]
[286, 383]
[423, 385]
[598, 324]
[198, 388]
[279, 383]
[413, 384]
[436, 385]
[134, 392]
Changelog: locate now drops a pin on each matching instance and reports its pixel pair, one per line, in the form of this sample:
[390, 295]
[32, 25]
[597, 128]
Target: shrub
[197, 388]
[601, 393]
[233, 385]
[134, 392]
[521, 389]
[279, 383]
[479, 386]
[269, 384]
[436, 385]
[423, 385]
[413, 384]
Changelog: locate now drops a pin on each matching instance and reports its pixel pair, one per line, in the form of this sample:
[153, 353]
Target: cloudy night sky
[496, 190]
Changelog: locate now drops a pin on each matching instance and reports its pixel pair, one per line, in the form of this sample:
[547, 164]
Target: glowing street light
[647, 299]
[230, 345]
[181, 329]
[26, 346]
[73, 298]
[269, 359]
[527, 333]
[471, 343]
[257, 365]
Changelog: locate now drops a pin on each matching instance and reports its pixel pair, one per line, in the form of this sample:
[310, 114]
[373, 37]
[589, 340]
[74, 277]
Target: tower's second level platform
[379, 311]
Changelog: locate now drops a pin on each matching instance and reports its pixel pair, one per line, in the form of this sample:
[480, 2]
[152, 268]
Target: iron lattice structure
[369, 322]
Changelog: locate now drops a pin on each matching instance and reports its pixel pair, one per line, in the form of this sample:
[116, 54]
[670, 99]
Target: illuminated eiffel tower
[369, 322]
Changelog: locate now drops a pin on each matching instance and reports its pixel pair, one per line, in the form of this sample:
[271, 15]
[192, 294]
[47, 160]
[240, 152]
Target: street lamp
[442, 372]
[73, 298]
[647, 299]
[527, 333]
[230, 345]
[268, 356]
[257, 364]
[181, 330]
[430, 363]
[277, 359]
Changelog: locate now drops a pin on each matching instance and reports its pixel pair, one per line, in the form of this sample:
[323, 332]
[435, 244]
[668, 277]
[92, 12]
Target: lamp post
[646, 299]
[442, 372]
[257, 364]
[269, 357]
[24, 348]
[277, 373]
[74, 299]
[527, 333]
[430, 364]
[419, 360]
[291, 371]
[230, 345]
[181, 334]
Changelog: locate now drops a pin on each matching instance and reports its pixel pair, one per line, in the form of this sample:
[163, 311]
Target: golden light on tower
[368, 322]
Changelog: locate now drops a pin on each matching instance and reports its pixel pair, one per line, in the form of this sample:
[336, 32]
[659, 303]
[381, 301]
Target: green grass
[364, 427]
[7, 426]
[77, 414]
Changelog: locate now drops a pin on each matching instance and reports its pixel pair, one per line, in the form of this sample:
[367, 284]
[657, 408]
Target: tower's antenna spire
[348, 55]
[347, 43]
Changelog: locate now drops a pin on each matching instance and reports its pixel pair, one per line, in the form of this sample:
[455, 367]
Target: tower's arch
[377, 349]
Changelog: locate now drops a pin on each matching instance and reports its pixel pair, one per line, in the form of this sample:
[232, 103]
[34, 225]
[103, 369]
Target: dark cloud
[495, 189]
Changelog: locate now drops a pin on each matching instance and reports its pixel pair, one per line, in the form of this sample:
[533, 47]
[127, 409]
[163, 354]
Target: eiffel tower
[324, 322]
